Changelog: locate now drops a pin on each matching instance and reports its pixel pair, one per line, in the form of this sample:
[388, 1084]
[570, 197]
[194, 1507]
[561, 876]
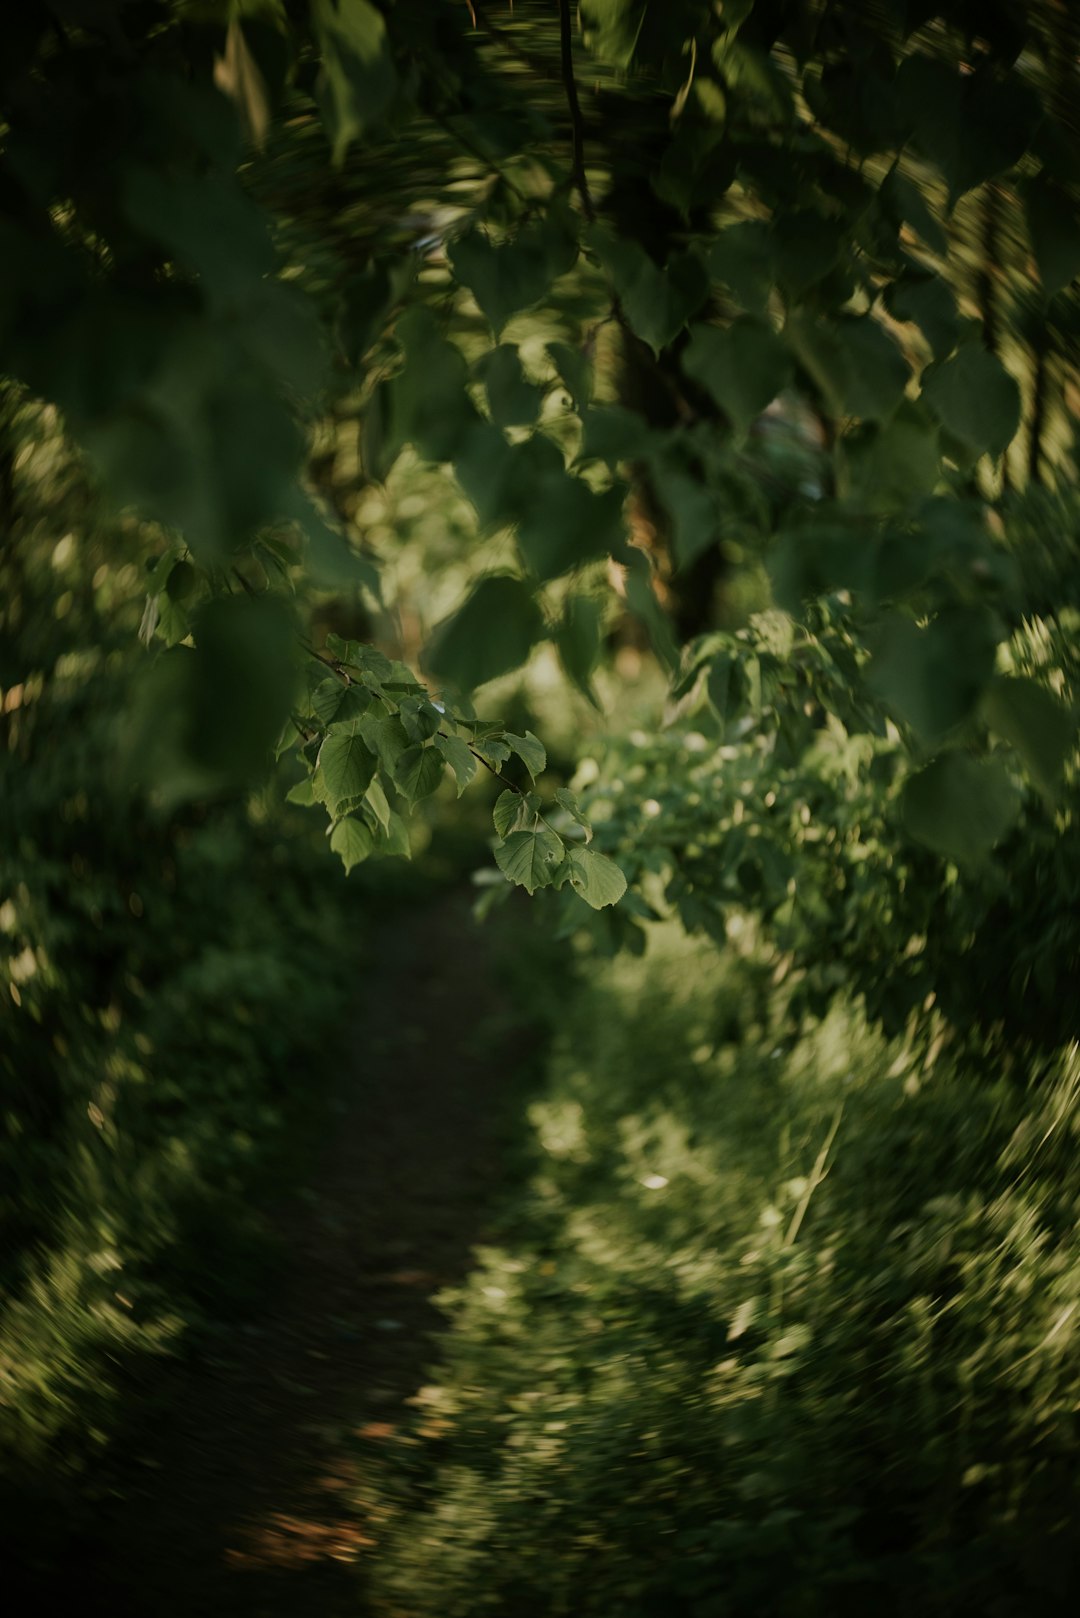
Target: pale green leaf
[352, 841]
[346, 765]
[530, 858]
[597, 879]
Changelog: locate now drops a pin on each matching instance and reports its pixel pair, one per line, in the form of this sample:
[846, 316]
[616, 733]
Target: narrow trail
[240, 1503]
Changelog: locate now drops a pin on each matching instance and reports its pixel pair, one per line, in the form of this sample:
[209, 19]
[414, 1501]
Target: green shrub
[774, 1331]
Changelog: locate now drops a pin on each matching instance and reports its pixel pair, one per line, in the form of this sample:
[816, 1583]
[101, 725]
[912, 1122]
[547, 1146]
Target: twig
[577, 128]
[817, 1174]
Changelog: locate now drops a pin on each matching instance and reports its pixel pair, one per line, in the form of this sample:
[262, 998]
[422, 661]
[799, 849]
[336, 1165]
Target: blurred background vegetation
[777, 447]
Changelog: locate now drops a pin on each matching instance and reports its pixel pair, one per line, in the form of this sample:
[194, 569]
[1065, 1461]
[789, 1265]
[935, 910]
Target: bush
[773, 1332]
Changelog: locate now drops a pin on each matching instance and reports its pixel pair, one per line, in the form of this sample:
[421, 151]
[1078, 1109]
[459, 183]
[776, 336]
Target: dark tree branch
[577, 127]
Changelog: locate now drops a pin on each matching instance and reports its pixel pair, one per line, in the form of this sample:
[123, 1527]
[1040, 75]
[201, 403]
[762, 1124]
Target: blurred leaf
[357, 81]
[960, 806]
[657, 302]
[744, 367]
[889, 467]
[928, 302]
[1036, 723]
[492, 633]
[1055, 234]
[575, 371]
[513, 275]
[975, 399]
[427, 403]
[741, 257]
[578, 640]
[933, 677]
[512, 399]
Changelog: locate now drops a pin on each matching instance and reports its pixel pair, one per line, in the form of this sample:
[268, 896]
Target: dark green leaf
[960, 806]
[530, 750]
[657, 302]
[975, 399]
[418, 771]
[492, 633]
[513, 401]
[358, 80]
[460, 759]
[933, 677]
[1036, 723]
[744, 367]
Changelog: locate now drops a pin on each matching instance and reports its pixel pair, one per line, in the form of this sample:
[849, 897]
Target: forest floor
[243, 1499]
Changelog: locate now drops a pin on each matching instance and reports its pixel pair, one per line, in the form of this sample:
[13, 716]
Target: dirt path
[241, 1504]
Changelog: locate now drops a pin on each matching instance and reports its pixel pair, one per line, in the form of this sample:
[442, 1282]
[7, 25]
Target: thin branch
[577, 127]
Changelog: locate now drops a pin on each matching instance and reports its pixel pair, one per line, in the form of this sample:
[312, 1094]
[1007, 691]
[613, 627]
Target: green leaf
[568, 800]
[960, 806]
[1036, 723]
[612, 28]
[514, 275]
[335, 702]
[352, 841]
[357, 81]
[530, 858]
[575, 372]
[657, 302]
[888, 467]
[396, 840]
[612, 433]
[975, 399]
[904, 203]
[561, 521]
[347, 765]
[597, 879]
[854, 362]
[513, 401]
[301, 793]
[420, 717]
[427, 404]
[744, 367]
[578, 639]
[741, 258]
[1055, 234]
[460, 759]
[492, 633]
[928, 303]
[530, 750]
[238, 684]
[933, 677]
[377, 801]
[418, 771]
[513, 809]
[972, 125]
[385, 735]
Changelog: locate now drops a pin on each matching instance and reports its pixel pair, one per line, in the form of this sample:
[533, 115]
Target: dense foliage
[771, 1330]
[387, 388]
